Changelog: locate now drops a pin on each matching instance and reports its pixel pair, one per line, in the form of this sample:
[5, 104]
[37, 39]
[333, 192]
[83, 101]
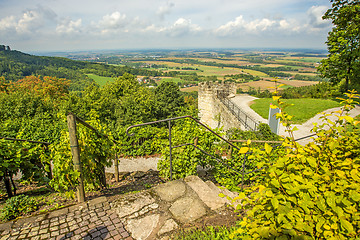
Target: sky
[79, 25]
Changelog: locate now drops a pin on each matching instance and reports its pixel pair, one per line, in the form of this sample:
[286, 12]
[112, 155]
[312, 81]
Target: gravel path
[243, 101]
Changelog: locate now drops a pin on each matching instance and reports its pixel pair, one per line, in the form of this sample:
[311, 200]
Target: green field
[171, 79]
[302, 110]
[100, 80]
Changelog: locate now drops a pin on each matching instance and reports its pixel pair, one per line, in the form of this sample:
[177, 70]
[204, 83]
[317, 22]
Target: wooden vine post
[116, 163]
[75, 151]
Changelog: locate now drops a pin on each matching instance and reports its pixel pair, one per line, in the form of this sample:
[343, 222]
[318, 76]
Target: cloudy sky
[68, 25]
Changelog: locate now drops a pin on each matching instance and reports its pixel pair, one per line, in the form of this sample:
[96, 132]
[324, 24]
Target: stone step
[210, 197]
[157, 212]
[220, 190]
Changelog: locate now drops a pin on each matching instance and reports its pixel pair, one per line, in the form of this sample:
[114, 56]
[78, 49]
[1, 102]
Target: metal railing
[244, 168]
[170, 138]
[248, 122]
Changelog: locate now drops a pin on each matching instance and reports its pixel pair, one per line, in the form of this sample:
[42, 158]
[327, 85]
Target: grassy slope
[302, 110]
[100, 80]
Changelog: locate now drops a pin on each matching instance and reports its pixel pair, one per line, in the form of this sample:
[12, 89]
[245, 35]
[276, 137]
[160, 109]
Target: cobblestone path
[91, 220]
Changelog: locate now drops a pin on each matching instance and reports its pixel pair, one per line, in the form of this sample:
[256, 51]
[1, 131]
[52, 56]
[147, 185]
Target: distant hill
[15, 65]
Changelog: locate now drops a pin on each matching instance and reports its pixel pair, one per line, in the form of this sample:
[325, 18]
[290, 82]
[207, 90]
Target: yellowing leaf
[275, 98]
[346, 225]
[240, 197]
[275, 202]
[268, 148]
[269, 193]
[347, 118]
[248, 142]
[243, 150]
[295, 129]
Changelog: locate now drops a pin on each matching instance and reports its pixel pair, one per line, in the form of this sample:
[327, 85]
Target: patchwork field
[248, 68]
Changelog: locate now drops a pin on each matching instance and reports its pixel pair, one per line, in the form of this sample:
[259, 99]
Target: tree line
[15, 65]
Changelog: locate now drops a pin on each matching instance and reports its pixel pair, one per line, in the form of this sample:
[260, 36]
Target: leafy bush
[263, 132]
[211, 233]
[28, 158]
[186, 159]
[312, 191]
[142, 142]
[17, 206]
[95, 152]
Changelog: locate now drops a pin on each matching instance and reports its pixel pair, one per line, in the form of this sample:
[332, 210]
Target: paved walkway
[243, 101]
[91, 220]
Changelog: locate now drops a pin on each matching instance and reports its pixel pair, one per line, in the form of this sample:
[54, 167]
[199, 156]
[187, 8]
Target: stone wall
[211, 111]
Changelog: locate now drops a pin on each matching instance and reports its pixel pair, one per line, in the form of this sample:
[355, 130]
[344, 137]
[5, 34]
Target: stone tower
[210, 108]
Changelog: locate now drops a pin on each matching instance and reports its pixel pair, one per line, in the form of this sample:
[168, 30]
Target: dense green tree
[168, 100]
[343, 61]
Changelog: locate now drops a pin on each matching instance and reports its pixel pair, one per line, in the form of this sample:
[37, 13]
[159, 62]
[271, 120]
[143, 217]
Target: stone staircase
[157, 212]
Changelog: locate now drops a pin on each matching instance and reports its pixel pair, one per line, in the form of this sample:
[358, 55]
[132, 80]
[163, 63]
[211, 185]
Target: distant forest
[15, 65]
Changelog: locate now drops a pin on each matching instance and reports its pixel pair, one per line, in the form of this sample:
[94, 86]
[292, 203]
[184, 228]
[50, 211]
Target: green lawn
[302, 110]
[100, 80]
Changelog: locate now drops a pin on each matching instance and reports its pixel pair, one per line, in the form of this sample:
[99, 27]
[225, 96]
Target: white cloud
[164, 10]
[182, 27]
[68, 26]
[30, 22]
[8, 23]
[315, 14]
[113, 22]
[240, 25]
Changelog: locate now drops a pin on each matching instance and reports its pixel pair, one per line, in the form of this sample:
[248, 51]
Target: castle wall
[211, 110]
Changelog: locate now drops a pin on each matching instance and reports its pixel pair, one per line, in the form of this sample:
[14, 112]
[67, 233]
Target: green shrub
[186, 159]
[312, 191]
[18, 206]
[210, 233]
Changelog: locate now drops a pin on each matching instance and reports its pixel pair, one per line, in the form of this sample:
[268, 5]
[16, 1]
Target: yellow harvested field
[240, 62]
[269, 85]
[255, 73]
[210, 71]
[305, 74]
[190, 89]
[308, 69]
[297, 83]
[272, 65]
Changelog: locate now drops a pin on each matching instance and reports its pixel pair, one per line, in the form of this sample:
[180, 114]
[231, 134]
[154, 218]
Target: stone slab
[171, 191]
[168, 226]
[133, 203]
[97, 201]
[205, 193]
[142, 228]
[187, 209]
[226, 192]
